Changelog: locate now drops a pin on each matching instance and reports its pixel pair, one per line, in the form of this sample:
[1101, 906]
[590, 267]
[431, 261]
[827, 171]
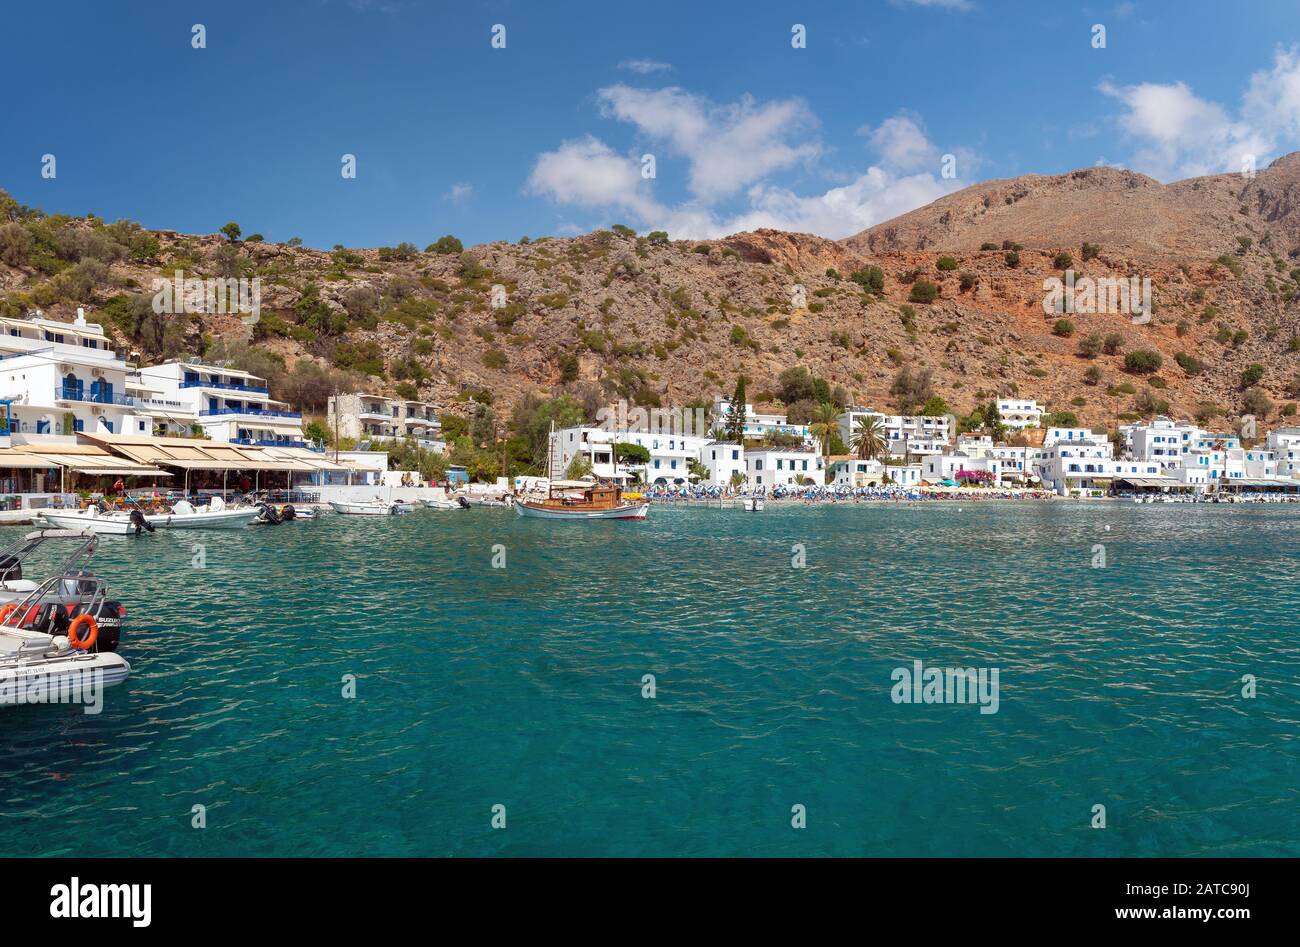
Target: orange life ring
[6, 611]
[90, 639]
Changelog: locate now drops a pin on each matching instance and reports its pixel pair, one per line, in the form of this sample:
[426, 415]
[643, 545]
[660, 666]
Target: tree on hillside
[735, 423]
[232, 231]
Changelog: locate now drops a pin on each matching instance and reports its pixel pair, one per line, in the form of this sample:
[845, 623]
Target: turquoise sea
[522, 686]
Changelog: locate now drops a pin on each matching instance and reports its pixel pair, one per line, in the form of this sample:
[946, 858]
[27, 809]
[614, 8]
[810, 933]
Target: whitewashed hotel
[671, 455]
[368, 417]
[757, 425]
[949, 466]
[904, 434]
[777, 467]
[228, 404]
[1020, 413]
[724, 461]
[61, 378]
[1285, 444]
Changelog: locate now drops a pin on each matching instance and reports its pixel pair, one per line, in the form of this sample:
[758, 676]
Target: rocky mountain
[950, 295]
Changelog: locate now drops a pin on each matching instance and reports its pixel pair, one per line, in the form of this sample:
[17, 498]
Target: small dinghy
[444, 503]
[58, 641]
[375, 507]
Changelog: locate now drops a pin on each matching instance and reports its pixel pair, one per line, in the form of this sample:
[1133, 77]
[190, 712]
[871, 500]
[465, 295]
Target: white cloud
[459, 192]
[1178, 134]
[730, 152]
[1272, 101]
[902, 143]
[644, 66]
[727, 147]
[873, 197]
[588, 173]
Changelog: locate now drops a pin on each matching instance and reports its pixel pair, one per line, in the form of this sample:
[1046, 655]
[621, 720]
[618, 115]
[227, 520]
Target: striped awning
[85, 458]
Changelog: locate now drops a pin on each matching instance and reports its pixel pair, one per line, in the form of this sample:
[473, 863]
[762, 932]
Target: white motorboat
[445, 503]
[375, 507]
[752, 504]
[58, 641]
[183, 515]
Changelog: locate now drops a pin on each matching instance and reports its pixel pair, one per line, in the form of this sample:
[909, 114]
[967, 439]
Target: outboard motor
[140, 523]
[112, 615]
[268, 513]
[287, 512]
[464, 503]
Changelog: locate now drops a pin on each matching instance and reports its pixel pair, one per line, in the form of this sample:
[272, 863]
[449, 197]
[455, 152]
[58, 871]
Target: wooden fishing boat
[580, 500]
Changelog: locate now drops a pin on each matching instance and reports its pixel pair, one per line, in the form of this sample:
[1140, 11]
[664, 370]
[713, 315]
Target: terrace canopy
[84, 459]
[186, 453]
[1152, 483]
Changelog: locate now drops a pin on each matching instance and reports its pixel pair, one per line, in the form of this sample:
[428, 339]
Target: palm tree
[868, 437]
[824, 425]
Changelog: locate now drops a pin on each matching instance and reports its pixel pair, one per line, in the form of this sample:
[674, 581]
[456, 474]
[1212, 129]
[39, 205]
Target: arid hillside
[613, 314]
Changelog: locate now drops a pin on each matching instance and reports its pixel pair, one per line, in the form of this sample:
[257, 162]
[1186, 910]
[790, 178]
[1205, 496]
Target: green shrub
[495, 358]
[1063, 328]
[871, 279]
[1251, 376]
[945, 264]
[447, 244]
[923, 291]
[1142, 362]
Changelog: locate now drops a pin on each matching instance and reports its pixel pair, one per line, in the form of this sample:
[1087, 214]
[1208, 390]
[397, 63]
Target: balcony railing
[266, 442]
[222, 385]
[258, 412]
[81, 394]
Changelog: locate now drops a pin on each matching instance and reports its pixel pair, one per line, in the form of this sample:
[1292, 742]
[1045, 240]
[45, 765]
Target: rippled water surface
[1119, 686]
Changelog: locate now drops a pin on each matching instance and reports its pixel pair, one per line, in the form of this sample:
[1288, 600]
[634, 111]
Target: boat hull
[367, 509]
[115, 525]
[635, 511]
[48, 676]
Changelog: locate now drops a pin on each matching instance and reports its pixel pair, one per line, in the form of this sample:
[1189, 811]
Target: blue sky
[546, 136]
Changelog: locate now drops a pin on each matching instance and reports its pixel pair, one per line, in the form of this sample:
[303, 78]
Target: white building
[723, 460]
[671, 455]
[852, 471]
[904, 475]
[950, 466]
[772, 466]
[1019, 413]
[61, 378]
[374, 417]
[975, 445]
[1075, 459]
[1017, 462]
[903, 434]
[1285, 444]
[758, 425]
[229, 404]
[1163, 440]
